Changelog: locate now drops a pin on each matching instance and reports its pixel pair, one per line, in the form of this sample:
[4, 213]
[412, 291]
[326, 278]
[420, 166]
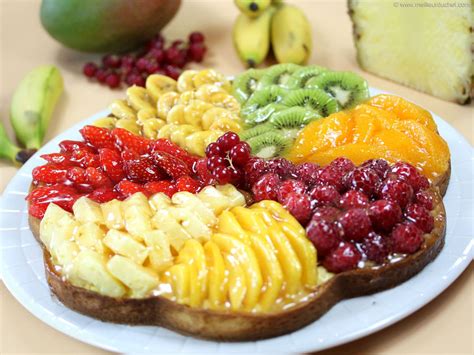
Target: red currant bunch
[132, 68]
[227, 157]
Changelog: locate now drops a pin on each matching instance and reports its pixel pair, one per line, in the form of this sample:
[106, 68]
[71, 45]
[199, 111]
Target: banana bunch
[265, 23]
[30, 112]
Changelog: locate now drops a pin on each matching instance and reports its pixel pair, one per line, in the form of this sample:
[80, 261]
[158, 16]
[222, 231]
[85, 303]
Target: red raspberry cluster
[133, 68]
[352, 214]
[112, 165]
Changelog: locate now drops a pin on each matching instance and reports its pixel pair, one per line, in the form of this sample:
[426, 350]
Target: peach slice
[403, 109]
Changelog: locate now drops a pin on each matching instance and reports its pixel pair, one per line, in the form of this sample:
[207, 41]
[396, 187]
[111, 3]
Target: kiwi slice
[290, 121]
[256, 131]
[261, 98]
[262, 114]
[313, 99]
[347, 88]
[278, 75]
[246, 83]
[299, 78]
[269, 144]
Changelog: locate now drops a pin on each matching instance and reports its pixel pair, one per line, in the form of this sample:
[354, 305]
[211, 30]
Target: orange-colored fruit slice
[332, 131]
[403, 109]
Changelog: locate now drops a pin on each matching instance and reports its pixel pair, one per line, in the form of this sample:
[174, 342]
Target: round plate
[23, 274]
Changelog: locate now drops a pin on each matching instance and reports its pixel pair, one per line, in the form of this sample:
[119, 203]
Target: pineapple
[424, 47]
[86, 210]
[124, 244]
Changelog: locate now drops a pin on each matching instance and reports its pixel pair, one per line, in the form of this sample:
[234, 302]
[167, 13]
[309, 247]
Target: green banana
[8, 150]
[33, 104]
[252, 8]
[291, 35]
[252, 37]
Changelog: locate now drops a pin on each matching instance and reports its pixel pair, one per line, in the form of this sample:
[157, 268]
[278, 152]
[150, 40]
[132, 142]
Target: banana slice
[120, 109]
[138, 98]
[165, 103]
[185, 80]
[157, 85]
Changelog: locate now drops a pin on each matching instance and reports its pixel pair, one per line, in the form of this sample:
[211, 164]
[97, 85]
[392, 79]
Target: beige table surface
[443, 326]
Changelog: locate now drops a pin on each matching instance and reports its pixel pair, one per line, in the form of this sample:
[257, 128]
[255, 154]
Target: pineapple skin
[427, 48]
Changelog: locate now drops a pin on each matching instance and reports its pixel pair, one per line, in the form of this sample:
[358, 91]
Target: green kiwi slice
[269, 144]
[313, 99]
[347, 88]
[261, 98]
[299, 78]
[290, 121]
[246, 83]
[256, 131]
[263, 114]
[278, 75]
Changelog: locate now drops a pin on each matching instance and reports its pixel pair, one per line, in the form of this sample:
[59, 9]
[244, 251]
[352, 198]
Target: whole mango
[105, 25]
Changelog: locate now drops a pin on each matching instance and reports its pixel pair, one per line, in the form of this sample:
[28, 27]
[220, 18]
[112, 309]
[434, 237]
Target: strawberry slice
[50, 173]
[127, 140]
[69, 146]
[187, 183]
[165, 145]
[164, 186]
[103, 194]
[63, 159]
[97, 178]
[127, 188]
[77, 175]
[143, 169]
[111, 163]
[97, 137]
[85, 159]
[41, 197]
[173, 166]
[203, 173]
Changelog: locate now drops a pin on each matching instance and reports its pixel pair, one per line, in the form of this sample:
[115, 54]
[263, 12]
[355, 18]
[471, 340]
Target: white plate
[23, 274]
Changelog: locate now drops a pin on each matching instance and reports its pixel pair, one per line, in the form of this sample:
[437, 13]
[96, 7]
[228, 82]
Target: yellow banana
[291, 35]
[252, 37]
[252, 8]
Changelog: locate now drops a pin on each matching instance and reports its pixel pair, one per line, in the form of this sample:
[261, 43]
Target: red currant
[222, 174]
[214, 161]
[240, 153]
[111, 61]
[113, 80]
[227, 141]
[214, 149]
[90, 69]
[196, 37]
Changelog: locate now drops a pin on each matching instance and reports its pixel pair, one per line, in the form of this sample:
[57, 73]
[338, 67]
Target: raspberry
[289, 186]
[380, 166]
[353, 199]
[343, 164]
[307, 172]
[406, 238]
[420, 216]
[362, 179]
[299, 206]
[344, 257]
[253, 170]
[397, 191]
[324, 195]
[282, 167]
[384, 214]
[425, 199]
[356, 224]
[329, 214]
[325, 235]
[409, 174]
[266, 187]
[375, 247]
[332, 176]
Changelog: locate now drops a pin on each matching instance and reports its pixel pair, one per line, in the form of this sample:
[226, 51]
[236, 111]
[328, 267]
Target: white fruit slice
[124, 244]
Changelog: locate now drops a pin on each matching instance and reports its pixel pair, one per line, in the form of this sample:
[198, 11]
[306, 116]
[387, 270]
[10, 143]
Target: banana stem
[10, 151]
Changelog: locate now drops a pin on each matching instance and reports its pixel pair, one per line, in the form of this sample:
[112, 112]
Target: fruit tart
[211, 260]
